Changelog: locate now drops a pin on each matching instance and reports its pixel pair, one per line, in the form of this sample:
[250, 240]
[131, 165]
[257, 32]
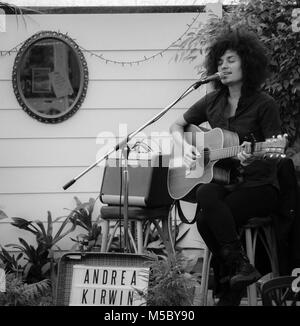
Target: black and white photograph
[150, 156]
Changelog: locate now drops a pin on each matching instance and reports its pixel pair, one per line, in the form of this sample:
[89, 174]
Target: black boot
[231, 297]
[227, 296]
[221, 288]
[242, 272]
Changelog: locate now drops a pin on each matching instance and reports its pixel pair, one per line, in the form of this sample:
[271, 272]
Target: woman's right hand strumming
[190, 155]
[190, 152]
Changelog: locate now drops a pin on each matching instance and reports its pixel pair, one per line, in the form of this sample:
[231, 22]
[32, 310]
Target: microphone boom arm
[123, 145]
[125, 140]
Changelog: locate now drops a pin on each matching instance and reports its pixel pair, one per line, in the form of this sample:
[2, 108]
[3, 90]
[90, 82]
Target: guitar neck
[218, 154]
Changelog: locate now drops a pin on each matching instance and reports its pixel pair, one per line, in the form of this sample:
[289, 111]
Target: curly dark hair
[253, 54]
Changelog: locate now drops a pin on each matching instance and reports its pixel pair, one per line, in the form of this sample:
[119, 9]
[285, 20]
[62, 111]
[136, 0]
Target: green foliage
[169, 285]
[19, 293]
[45, 238]
[40, 263]
[40, 259]
[37, 266]
[11, 262]
[272, 21]
[82, 216]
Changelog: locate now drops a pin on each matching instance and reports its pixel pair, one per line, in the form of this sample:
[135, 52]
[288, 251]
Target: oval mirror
[50, 77]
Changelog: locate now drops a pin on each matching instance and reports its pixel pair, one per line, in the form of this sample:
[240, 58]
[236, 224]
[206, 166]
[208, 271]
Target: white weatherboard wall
[37, 159]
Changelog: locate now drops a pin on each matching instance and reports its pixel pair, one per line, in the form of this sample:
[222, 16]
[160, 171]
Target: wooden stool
[262, 228]
[138, 216]
[256, 227]
[205, 276]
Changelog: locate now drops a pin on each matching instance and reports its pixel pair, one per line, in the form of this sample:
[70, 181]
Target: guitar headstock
[275, 147]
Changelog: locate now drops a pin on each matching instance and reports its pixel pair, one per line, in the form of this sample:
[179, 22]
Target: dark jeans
[221, 212]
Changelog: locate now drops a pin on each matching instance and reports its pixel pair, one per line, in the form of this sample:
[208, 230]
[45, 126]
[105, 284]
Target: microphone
[207, 79]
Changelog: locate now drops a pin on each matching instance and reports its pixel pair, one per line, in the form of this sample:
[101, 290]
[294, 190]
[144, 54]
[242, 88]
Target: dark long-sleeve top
[257, 113]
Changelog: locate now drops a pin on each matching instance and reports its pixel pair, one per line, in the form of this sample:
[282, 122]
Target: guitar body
[180, 180]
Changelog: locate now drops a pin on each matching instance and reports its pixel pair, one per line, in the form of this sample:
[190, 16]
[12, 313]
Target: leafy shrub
[272, 21]
[11, 263]
[40, 262]
[169, 285]
[82, 216]
[19, 293]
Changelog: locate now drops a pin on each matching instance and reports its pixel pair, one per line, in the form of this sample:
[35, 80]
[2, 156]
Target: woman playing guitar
[238, 105]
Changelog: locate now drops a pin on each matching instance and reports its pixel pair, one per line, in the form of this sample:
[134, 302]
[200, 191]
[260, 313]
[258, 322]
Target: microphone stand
[123, 146]
[125, 175]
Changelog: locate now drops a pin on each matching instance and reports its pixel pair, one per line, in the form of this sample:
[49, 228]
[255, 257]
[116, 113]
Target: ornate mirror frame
[83, 69]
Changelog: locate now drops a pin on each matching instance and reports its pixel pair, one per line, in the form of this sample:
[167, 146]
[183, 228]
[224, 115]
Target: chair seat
[257, 222]
[135, 213]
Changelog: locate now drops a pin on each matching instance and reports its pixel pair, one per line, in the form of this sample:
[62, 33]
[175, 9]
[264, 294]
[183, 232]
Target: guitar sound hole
[206, 155]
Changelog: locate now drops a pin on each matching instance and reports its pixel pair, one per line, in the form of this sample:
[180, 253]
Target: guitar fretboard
[217, 154]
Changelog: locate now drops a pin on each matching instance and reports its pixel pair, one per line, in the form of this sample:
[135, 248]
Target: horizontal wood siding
[37, 159]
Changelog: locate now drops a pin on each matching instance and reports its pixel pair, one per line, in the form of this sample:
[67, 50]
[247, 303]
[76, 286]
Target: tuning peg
[283, 155]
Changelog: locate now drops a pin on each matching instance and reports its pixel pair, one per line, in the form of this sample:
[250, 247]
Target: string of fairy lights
[100, 56]
[145, 58]
[15, 49]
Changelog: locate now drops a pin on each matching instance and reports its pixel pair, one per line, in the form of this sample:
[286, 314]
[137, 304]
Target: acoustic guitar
[214, 146]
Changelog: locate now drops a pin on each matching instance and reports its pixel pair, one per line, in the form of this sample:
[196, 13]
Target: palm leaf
[14, 246]
[78, 202]
[27, 268]
[5, 255]
[58, 238]
[28, 249]
[91, 205]
[57, 219]
[19, 256]
[24, 224]
[68, 218]
[50, 225]
[40, 224]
